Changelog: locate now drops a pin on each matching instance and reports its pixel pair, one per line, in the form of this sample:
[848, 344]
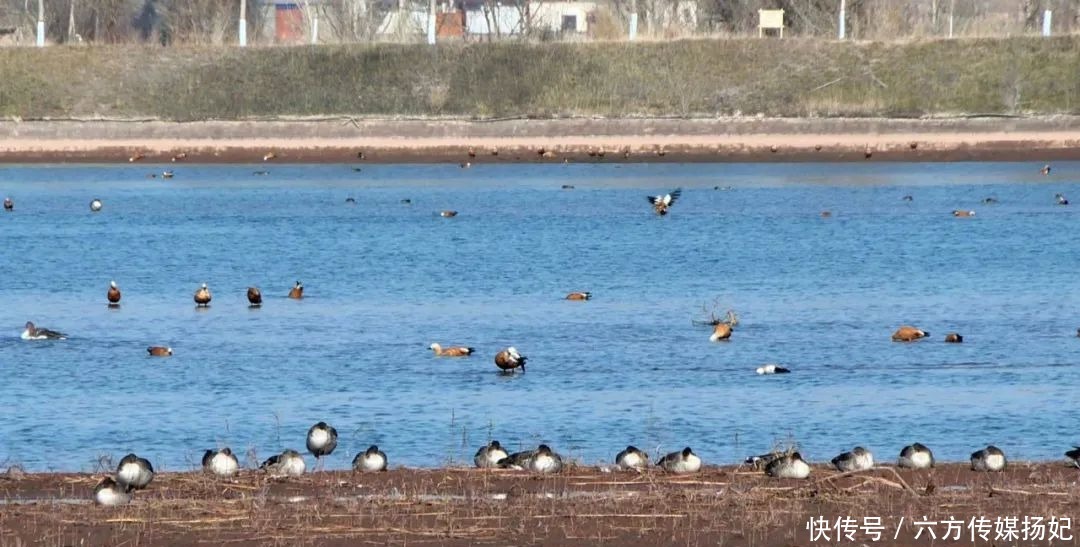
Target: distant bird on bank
[222, 463]
[370, 460]
[954, 338]
[136, 157]
[489, 455]
[269, 156]
[772, 369]
[990, 458]
[254, 296]
[113, 295]
[509, 359]
[1045, 169]
[908, 333]
[856, 460]
[321, 441]
[722, 331]
[681, 462]
[663, 202]
[202, 296]
[159, 351]
[1074, 455]
[95, 205]
[134, 472]
[916, 456]
[452, 351]
[788, 466]
[1061, 199]
[579, 296]
[9, 205]
[32, 332]
[632, 458]
[297, 292]
[963, 214]
[179, 157]
[287, 464]
[111, 494]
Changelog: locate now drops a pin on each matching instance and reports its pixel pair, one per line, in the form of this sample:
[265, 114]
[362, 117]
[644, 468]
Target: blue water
[384, 280]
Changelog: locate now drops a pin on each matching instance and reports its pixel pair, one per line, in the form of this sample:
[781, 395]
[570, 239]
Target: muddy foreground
[582, 506]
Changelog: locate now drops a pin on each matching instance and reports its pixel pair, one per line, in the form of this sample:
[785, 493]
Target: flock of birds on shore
[135, 473]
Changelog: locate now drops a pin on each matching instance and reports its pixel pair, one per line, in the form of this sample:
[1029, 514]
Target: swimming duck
[321, 441]
[350, 201]
[722, 331]
[202, 296]
[681, 462]
[579, 296]
[370, 460]
[567, 187]
[990, 458]
[632, 458]
[113, 295]
[908, 197]
[990, 200]
[788, 466]
[448, 214]
[111, 494]
[661, 203]
[95, 205]
[772, 369]
[287, 464]
[954, 338]
[916, 456]
[254, 296]
[9, 205]
[1074, 455]
[134, 472]
[1045, 169]
[856, 460]
[159, 351]
[465, 165]
[509, 359]
[826, 214]
[453, 351]
[220, 462]
[297, 292]
[908, 333]
[34, 333]
[963, 214]
[1061, 200]
[406, 201]
[541, 460]
[166, 174]
[489, 455]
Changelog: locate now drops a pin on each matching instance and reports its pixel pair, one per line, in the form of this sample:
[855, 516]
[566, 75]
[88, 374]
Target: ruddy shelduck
[579, 296]
[452, 351]
[509, 359]
[662, 203]
[159, 351]
[113, 295]
[722, 331]
[297, 292]
[254, 296]
[202, 296]
[908, 333]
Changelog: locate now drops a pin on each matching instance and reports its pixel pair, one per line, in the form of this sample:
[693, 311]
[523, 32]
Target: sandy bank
[517, 140]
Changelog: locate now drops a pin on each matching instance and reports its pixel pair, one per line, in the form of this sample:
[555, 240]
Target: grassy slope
[686, 78]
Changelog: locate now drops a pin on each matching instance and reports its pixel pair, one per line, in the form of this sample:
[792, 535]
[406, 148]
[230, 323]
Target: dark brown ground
[582, 506]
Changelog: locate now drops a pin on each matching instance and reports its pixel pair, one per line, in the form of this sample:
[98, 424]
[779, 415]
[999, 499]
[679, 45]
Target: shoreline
[350, 140]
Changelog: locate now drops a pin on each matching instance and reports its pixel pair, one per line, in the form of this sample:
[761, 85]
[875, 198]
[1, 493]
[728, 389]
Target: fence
[267, 22]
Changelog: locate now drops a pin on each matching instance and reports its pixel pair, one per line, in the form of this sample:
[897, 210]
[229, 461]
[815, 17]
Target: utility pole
[431, 23]
[243, 23]
[633, 20]
[843, 21]
[41, 23]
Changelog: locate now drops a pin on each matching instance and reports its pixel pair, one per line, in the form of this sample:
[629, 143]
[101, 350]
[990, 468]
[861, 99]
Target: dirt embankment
[582, 506]
[552, 141]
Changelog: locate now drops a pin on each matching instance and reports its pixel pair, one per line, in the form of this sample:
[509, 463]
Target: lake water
[384, 280]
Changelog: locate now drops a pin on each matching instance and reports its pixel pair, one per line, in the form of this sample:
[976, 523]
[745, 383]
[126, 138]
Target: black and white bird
[916, 456]
[134, 472]
[370, 460]
[1074, 455]
[321, 441]
[489, 455]
[222, 463]
[632, 458]
[788, 466]
[95, 205]
[542, 460]
[772, 369]
[33, 332]
[111, 494]
[990, 458]
[856, 460]
[287, 464]
[681, 462]
[663, 202]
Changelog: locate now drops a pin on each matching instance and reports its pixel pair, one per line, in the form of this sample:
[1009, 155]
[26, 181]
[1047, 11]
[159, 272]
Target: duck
[1061, 199]
[178, 157]
[9, 205]
[111, 494]
[915, 456]
[579, 296]
[321, 441]
[297, 292]
[772, 369]
[350, 201]
[113, 295]
[990, 200]
[681, 462]
[166, 174]
[222, 463]
[908, 333]
[406, 201]
[722, 331]
[448, 214]
[963, 214]
[509, 359]
[954, 338]
[32, 332]
[452, 351]
[826, 214]
[370, 460]
[202, 296]
[990, 458]
[269, 156]
[908, 197]
[542, 460]
[95, 205]
[254, 296]
[857, 460]
[136, 157]
[287, 464]
[632, 458]
[159, 351]
[489, 455]
[134, 472]
[567, 187]
[1045, 169]
[762, 460]
[662, 203]
[1074, 455]
[788, 466]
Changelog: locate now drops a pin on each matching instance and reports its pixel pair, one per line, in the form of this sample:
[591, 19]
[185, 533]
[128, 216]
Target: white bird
[916, 456]
[990, 458]
[681, 462]
[772, 369]
[856, 460]
[222, 463]
[111, 494]
[287, 464]
[134, 472]
[790, 466]
[95, 205]
[632, 458]
[489, 455]
[370, 460]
